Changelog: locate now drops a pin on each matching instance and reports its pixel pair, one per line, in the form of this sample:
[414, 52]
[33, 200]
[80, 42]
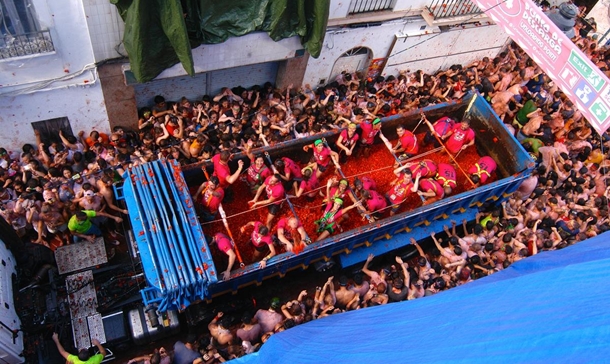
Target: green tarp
[161, 33]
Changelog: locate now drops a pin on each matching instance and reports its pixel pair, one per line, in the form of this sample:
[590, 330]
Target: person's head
[81, 216]
[358, 278]
[275, 303]
[465, 124]
[475, 179]
[263, 230]
[343, 185]
[400, 130]
[246, 318]
[225, 155]
[377, 124]
[351, 129]
[83, 354]
[293, 223]
[358, 184]
[279, 164]
[343, 281]
[213, 182]
[337, 203]
[275, 179]
[259, 162]
[319, 145]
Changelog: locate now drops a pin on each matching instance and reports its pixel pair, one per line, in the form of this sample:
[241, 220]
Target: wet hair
[457, 250]
[343, 281]
[508, 249]
[475, 259]
[507, 237]
[358, 278]
[475, 179]
[478, 229]
[83, 354]
[246, 318]
[421, 261]
[489, 247]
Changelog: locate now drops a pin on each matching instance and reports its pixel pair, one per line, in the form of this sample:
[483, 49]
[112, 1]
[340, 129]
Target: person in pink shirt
[447, 177]
[275, 193]
[262, 241]
[333, 215]
[257, 173]
[290, 231]
[323, 156]
[347, 141]
[364, 183]
[402, 187]
[482, 170]
[310, 183]
[425, 167]
[431, 190]
[374, 202]
[222, 170]
[225, 245]
[210, 196]
[369, 130]
[439, 129]
[289, 171]
[460, 137]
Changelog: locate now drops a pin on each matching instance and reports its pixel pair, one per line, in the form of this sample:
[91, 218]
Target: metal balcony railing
[442, 9]
[25, 44]
[366, 6]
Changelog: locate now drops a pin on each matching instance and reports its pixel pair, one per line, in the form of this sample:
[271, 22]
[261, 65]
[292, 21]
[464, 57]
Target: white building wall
[238, 51]
[59, 84]
[106, 29]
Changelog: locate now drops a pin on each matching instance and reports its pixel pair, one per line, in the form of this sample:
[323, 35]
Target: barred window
[20, 29]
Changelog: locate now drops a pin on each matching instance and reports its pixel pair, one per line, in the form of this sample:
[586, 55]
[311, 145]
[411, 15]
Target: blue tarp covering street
[551, 307]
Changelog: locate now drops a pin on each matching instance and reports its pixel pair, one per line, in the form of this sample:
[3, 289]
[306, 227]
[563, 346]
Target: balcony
[26, 44]
[367, 6]
[451, 12]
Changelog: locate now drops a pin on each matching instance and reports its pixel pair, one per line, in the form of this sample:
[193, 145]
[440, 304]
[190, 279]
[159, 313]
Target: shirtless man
[104, 186]
[345, 298]
[219, 329]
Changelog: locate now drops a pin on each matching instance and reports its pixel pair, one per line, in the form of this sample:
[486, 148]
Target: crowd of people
[61, 192]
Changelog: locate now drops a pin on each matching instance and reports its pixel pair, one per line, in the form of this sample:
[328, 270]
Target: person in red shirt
[401, 188]
[482, 170]
[262, 241]
[460, 137]
[447, 177]
[289, 171]
[440, 128]
[290, 231]
[222, 170]
[323, 156]
[407, 142]
[347, 141]
[431, 190]
[257, 173]
[275, 193]
[225, 245]
[210, 196]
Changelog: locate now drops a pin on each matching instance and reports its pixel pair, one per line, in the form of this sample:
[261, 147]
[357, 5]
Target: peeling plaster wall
[83, 106]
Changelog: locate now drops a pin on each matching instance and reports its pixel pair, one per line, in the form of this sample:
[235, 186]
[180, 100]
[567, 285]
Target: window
[365, 6]
[20, 30]
[49, 129]
[441, 9]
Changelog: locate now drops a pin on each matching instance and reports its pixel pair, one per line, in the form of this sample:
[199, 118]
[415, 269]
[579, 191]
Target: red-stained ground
[378, 165]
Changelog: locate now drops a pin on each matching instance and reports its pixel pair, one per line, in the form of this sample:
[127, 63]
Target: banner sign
[556, 55]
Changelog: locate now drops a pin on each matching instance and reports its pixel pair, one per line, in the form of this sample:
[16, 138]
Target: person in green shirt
[529, 108]
[532, 145]
[83, 356]
[81, 226]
